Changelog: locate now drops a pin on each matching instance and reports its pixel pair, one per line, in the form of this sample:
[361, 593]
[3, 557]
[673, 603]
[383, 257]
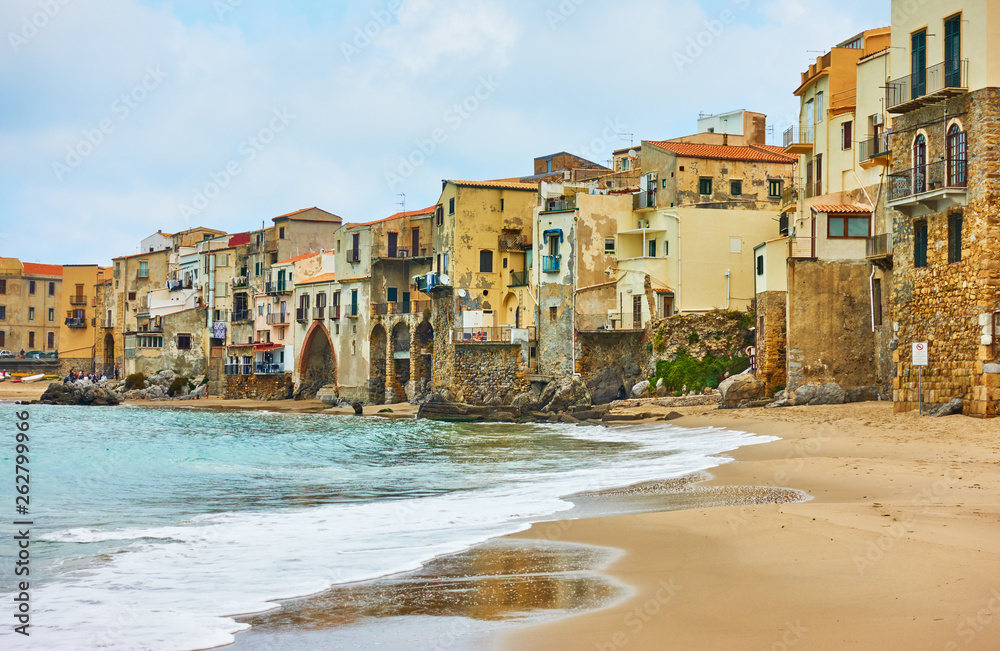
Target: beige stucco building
[30, 306]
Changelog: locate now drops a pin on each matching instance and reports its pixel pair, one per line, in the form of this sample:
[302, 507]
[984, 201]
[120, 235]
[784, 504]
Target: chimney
[725, 140]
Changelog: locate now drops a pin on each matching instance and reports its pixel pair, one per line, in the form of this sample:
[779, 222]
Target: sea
[154, 529]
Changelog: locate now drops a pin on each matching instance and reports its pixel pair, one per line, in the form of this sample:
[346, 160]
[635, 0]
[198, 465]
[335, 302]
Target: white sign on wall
[920, 353]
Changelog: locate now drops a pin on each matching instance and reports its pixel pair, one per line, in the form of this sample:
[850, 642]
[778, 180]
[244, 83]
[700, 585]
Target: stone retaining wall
[258, 387]
[488, 373]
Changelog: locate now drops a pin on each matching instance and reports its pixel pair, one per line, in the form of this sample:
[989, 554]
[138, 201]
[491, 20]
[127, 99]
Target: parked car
[34, 354]
[53, 355]
[5, 353]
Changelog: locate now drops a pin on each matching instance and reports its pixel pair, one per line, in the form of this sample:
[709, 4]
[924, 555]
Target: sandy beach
[898, 549]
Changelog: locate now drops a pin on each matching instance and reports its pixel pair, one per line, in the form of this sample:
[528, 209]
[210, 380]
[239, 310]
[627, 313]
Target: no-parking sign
[920, 353]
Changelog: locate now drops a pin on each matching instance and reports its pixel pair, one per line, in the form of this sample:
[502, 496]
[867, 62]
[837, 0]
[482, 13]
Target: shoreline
[897, 549]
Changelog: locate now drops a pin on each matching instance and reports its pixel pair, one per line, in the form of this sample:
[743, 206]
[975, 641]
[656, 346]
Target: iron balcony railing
[799, 135]
[242, 315]
[79, 299]
[400, 307]
[351, 311]
[928, 178]
[879, 246]
[240, 281]
[384, 252]
[335, 312]
[276, 287]
[257, 368]
[553, 205]
[354, 255]
[301, 314]
[319, 313]
[502, 334]
[946, 78]
[550, 263]
[813, 189]
[107, 323]
[76, 323]
[608, 321]
[873, 147]
[790, 195]
[518, 279]
[277, 318]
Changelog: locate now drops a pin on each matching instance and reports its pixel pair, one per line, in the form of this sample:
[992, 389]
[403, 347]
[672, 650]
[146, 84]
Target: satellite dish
[632, 153]
[462, 293]
[445, 280]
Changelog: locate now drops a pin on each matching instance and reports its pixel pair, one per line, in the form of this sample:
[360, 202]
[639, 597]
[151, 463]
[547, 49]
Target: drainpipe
[211, 288]
[729, 290]
[871, 295]
[576, 277]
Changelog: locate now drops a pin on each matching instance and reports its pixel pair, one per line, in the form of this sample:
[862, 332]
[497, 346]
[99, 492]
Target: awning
[553, 231]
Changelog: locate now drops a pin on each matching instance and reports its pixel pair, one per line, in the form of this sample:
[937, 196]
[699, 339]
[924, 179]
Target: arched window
[956, 157]
[919, 164]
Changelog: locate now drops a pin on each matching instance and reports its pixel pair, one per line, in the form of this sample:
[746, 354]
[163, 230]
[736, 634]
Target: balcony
[644, 200]
[799, 140]
[383, 253]
[76, 323]
[319, 313]
[874, 149]
[802, 248]
[335, 312]
[400, 307]
[240, 281]
[354, 256]
[879, 247]
[242, 315]
[78, 300]
[929, 188]
[550, 264]
[790, 196]
[518, 279]
[351, 311]
[557, 205]
[813, 189]
[302, 314]
[928, 86]
[503, 335]
[783, 220]
[612, 321]
[277, 318]
[107, 323]
[513, 242]
[277, 288]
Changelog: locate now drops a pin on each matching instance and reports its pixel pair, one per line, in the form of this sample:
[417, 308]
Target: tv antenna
[631, 137]
[402, 204]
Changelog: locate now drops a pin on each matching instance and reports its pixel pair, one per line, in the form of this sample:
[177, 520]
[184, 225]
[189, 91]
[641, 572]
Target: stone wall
[258, 387]
[611, 362]
[830, 336]
[488, 373]
[947, 304]
[772, 340]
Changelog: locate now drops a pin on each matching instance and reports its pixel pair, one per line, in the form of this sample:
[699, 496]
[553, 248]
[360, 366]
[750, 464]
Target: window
[131, 296]
[3, 312]
[609, 246]
[652, 248]
[548, 165]
[847, 135]
[760, 265]
[3, 285]
[3, 338]
[260, 310]
[392, 294]
[920, 243]
[953, 51]
[486, 262]
[849, 226]
[919, 164]
[918, 63]
[552, 314]
[705, 186]
[663, 183]
[143, 269]
[819, 107]
[31, 314]
[281, 233]
[501, 205]
[31, 287]
[52, 289]
[774, 188]
[680, 169]
[505, 263]
[31, 340]
[666, 248]
[736, 188]
[439, 215]
[877, 301]
[955, 237]
[184, 341]
[52, 314]
[956, 157]
[451, 206]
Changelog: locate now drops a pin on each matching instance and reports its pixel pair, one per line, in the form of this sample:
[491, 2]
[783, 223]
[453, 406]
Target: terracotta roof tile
[322, 278]
[399, 215]
[502, 185]
[841, 208]
[753, 153]
[36, 269]
[300, 257]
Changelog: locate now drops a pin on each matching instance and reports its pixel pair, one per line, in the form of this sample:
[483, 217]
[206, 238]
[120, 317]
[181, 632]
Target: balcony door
[919, 165]
[918, 63]
[956, 157]
[637, 311]
[393, 244]
[953, 52]
[415, 241]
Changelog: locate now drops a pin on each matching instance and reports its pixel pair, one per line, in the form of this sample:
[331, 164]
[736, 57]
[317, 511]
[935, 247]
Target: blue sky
[121, 117]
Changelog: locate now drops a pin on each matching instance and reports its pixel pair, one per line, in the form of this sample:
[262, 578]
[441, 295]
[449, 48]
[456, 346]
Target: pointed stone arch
[317, 362]
[422, 358]
[395, 385]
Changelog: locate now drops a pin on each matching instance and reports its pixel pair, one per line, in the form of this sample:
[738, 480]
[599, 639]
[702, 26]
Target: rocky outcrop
[453, 411]
[741, 389]
[640, 389]
[565, 393]
[606, 385]
[947, 408]
[78, 393]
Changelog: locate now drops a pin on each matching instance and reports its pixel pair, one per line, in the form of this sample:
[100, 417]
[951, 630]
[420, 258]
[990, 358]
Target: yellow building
[30, 300]
[79, 329]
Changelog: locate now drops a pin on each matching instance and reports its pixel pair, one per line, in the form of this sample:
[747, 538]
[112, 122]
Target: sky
[123, 117]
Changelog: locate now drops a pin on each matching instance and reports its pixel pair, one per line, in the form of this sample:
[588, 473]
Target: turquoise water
[153, 528]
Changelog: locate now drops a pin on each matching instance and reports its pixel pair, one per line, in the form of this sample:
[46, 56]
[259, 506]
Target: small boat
[33, 378]
[16, 379]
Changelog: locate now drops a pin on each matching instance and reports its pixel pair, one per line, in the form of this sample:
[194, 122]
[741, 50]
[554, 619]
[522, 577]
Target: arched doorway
[422, 358]
[317, 364]
[376, 372]
[109, 355]
[511, 313]
[400, 363]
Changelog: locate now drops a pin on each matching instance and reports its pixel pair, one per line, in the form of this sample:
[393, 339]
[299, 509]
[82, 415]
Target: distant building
[30, 306]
